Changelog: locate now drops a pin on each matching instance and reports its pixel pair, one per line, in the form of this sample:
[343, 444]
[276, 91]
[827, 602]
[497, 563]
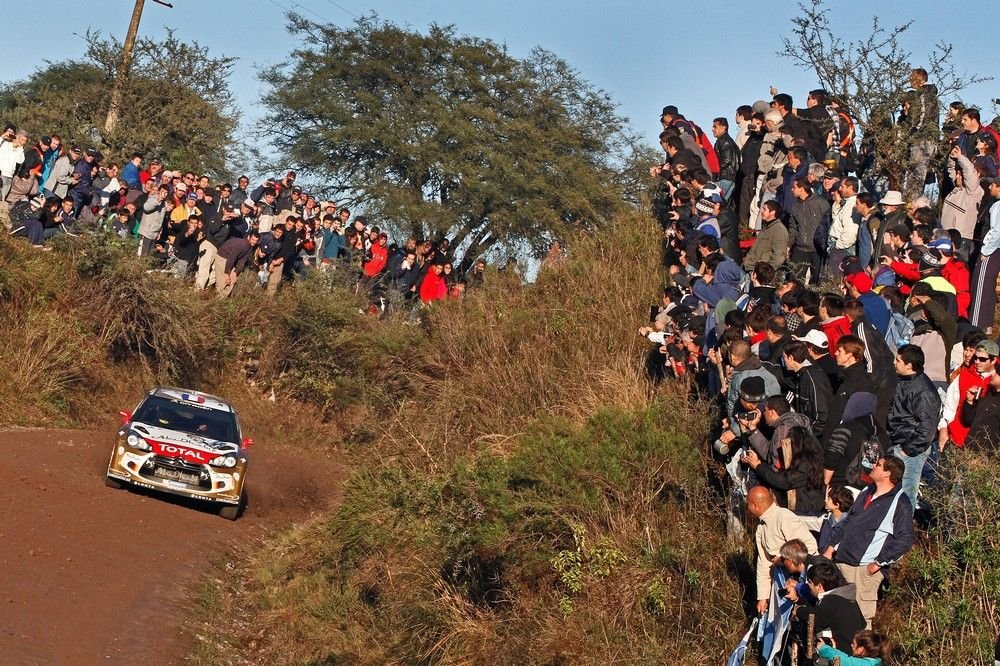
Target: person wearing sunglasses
[978, 366]
[980, 410]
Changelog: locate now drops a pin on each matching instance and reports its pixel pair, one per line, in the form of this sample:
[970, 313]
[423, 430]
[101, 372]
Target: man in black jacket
[878, 357]
[850, 356]
[913, 417]
[813, 392]
[837, 610]
[749, 155]
[728, 154]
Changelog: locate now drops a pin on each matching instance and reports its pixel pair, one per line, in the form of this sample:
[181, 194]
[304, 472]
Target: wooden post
[810, 635]
[123, 69]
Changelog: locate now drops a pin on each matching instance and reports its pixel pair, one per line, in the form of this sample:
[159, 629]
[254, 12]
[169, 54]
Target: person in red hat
[859, 286]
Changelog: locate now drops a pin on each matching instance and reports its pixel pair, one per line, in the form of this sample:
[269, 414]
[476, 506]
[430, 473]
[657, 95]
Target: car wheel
[234, 511]
[113, 483]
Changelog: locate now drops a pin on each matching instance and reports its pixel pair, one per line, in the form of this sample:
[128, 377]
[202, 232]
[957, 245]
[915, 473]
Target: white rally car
[186, 443]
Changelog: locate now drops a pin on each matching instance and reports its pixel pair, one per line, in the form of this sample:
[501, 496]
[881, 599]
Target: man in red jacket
[975, 375]
[433, 287]
[379, 257]
[956, 273]
[832, 320]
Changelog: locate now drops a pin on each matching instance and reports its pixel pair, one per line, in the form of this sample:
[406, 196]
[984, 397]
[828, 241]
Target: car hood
[174, 443]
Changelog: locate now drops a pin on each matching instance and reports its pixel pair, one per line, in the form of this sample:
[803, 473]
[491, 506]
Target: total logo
[193, 455]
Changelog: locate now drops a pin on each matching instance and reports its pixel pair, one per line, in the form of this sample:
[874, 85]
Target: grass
[519, 494]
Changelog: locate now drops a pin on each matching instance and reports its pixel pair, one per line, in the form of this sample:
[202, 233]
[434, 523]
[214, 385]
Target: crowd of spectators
[211, 233]
[851, 355]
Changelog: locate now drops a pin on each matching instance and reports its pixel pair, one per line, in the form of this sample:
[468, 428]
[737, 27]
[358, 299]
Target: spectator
[776, 527]
[878, 532]
[984, 277]
[809, 221]
[813, 394]
[795, 472]
[232, 259]
[859, 286]
[850, 357]
[868, 648]
[838, 502]
[975, 374]
[729, 156]
[771, 244]
[913, 417]
[960, 206]
[843, 462]
[836, 609]
[433, 287]
[11, 154]
[833, 322]
[980, 413]
[844, 226]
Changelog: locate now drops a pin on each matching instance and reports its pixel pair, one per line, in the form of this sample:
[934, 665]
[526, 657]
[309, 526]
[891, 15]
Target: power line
[343, 8]
[302, 7]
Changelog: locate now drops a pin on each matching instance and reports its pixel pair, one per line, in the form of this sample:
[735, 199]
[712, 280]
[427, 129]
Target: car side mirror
[126, 416]
[247, 442]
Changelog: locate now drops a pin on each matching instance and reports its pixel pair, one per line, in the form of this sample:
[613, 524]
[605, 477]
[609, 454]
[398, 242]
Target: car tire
[113, 483]
[234, 511]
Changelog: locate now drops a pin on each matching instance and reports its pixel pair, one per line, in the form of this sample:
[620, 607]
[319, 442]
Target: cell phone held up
[653, 311]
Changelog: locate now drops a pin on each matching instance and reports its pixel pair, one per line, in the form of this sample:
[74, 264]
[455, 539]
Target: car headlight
[223, 461]
[137, 442]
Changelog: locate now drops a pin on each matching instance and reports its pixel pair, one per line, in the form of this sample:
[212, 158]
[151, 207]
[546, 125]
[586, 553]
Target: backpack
[899, 332]
[859, 470]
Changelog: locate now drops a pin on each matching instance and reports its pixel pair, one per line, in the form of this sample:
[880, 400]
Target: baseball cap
[192, 197]
[816, 338]
[989, 346]
[860, 281]
[941, 245]
[669, 110]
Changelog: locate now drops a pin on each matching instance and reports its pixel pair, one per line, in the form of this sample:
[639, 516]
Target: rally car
[186, 443]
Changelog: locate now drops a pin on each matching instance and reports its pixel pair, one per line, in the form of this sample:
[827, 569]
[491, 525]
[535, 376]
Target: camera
[746, 416]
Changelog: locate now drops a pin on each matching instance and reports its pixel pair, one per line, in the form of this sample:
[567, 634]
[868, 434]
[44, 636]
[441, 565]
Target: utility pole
[123, 69]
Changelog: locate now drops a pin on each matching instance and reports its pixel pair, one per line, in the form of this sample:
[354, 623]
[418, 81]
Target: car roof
[190, 395]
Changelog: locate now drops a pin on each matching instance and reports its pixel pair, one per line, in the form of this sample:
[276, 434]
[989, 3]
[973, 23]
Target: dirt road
[93, 575]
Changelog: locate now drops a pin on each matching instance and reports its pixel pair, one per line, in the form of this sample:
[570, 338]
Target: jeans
[913, 467]
[181, 268]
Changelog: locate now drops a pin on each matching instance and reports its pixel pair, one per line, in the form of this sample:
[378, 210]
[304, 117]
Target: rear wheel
[113, 483]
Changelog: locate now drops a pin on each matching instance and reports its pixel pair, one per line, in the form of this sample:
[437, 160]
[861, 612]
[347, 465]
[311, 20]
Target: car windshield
[188, 417]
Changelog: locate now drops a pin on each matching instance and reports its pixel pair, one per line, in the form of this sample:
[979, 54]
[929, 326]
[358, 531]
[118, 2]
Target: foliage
[941, 607]
[177, 104]
[438, 133]
[869, 76]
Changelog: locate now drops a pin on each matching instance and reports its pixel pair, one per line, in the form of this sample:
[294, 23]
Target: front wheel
[234, 511]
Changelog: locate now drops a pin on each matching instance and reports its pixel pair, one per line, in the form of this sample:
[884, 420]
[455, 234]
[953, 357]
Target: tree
[176, 104]
[443, 134]
[870, 78]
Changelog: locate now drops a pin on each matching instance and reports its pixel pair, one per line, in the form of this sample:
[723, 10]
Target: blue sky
[706, 59]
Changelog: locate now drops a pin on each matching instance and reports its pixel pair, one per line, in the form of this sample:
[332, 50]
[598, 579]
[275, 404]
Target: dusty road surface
[92, 575]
